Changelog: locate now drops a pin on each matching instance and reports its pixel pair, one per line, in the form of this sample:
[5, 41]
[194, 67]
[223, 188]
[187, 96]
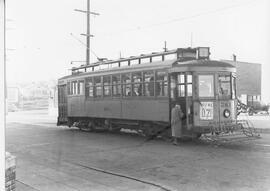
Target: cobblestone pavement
[61, 158]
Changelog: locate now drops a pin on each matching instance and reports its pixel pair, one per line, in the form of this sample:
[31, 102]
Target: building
[248, 82]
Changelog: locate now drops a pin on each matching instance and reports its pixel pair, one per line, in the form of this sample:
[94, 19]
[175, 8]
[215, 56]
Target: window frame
[125, 85]
[220, 96]
[98, 86]
[214, 85]
[162, 89]
[140, 84]
[144, 83]
[87, 88]
[81, 89]
[109, 85]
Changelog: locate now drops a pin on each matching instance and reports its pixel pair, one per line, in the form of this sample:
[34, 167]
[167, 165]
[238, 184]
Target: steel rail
[121, 175]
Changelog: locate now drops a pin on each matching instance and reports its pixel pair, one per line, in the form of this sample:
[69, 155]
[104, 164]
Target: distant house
[248, 82]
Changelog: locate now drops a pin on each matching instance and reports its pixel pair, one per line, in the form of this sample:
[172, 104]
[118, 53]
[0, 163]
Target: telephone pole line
[88, 35]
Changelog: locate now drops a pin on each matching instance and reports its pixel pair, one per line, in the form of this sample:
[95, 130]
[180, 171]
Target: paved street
[61, 158]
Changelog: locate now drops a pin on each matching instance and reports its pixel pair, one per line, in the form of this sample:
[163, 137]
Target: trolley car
[139, 92]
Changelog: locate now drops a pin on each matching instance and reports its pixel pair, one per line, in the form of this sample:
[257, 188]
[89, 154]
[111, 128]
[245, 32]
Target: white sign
[206, 110]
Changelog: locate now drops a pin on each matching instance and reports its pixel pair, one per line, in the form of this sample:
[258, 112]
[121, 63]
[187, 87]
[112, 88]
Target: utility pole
[191, 39]
[88, 35]
[165, 46]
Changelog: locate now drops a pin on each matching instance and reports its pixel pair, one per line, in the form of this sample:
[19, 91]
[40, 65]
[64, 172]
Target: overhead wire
[181, 18]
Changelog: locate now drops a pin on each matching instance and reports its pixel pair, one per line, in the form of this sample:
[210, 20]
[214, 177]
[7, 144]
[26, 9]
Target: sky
[43, 36]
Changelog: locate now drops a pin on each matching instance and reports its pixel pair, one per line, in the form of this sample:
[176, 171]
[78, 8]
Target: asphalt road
[61, 158]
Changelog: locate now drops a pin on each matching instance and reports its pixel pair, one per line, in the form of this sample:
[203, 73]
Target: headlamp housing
[227, 113]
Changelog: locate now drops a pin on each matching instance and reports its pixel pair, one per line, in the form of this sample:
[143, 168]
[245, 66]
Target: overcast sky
[41, 47]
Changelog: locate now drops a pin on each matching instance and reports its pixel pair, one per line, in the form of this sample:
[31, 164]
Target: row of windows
[147, 83]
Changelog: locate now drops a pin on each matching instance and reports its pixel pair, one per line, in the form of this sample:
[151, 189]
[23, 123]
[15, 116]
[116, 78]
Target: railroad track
[150, 183]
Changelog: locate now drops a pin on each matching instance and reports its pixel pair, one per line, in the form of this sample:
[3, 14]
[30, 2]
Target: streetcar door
[181, 91]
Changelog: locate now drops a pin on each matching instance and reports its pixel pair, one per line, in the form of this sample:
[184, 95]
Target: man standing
[176, 123]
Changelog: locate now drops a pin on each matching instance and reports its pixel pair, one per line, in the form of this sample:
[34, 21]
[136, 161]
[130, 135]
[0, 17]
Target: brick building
[248, 82]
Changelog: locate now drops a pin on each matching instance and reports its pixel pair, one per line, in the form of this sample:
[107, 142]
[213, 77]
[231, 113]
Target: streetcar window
[104, 66]
[95, 68]
[89, 87]
[116, 64]
[156, 58]
[68, 88]
[173, 86]
[189, 78]
[74, 88]
[161, 83]
[189, 85]
[98, 86]
[126, 80]
[233, 87]
[149, 83]
[124, 63]
[107, 86]
[80, 87]
[145, 60]
[181, 90]
[116, 85]
[224, 82]
[206, 85]
[181, 78]
[134, 62]
[137, 84]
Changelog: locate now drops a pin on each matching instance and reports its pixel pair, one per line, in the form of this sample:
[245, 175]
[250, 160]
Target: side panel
[103, 108]
[153, 110]
[140, 109]
[76, 106]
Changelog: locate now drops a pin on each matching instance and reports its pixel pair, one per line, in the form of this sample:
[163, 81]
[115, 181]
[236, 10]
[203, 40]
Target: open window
[149, 83]
[107, 86]
[89, 87]
[116, 86]
[98, 86]
[161, 83]
[126, 81]
[137, 84]
[81, 87]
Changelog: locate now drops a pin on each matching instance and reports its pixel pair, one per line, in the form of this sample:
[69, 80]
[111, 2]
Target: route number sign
[206, 110]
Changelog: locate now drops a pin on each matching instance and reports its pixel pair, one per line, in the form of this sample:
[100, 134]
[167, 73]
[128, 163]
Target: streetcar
[138, 93]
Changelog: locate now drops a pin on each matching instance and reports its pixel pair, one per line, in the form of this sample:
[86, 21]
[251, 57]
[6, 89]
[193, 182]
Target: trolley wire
[85, 45]
[180, 19]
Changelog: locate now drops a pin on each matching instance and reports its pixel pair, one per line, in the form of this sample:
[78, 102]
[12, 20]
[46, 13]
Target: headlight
[226, 113]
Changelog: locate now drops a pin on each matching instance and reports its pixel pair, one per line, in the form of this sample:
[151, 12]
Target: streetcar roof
[186, 64]
[138, 67]
[205, 63]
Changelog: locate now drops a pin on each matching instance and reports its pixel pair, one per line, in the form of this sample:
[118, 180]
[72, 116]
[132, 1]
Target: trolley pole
[88, 35]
